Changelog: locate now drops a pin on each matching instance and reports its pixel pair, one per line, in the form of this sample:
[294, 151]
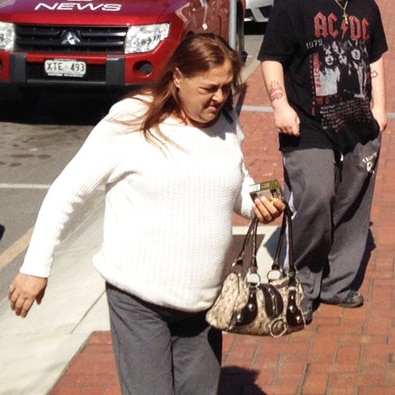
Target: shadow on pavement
[370, 246]
[239, 381]
[56, 110]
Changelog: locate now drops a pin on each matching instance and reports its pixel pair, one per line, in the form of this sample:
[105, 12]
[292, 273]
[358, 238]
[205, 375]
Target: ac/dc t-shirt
[326, 55]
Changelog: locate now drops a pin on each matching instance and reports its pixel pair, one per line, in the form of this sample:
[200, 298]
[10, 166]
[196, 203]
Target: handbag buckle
[278, 327]
[274, 275]
[252, 277]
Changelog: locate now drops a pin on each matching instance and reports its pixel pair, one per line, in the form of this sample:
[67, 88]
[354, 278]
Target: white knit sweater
[168, 217]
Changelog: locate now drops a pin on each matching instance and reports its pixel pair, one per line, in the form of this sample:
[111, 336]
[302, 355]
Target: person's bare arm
[378, 93]
[285, 118]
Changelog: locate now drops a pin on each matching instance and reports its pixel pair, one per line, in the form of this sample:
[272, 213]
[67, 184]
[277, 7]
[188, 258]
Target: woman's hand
[24, 290]
[268, 210]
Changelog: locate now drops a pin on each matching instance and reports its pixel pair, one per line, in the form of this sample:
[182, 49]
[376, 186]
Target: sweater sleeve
[244, 203]
[91, 167]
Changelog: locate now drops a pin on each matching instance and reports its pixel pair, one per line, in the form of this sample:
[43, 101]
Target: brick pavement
[344, 351]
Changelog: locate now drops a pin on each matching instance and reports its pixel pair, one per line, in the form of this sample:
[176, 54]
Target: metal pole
[232, 23]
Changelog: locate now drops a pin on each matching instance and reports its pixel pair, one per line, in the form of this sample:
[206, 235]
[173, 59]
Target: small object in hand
[270, 189]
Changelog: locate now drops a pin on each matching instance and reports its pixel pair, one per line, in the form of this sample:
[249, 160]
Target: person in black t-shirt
[323, 69]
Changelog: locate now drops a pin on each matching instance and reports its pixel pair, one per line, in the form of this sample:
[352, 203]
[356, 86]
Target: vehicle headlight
[145, 38]
[7, 36]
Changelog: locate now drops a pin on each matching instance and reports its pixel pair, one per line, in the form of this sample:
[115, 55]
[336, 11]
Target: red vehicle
[71, 44]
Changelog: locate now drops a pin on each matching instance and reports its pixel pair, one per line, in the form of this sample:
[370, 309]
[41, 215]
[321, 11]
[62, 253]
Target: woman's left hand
[268, 210]
[24, 291]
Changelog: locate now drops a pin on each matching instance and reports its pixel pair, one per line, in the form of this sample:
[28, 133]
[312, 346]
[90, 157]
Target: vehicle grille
[76, 39]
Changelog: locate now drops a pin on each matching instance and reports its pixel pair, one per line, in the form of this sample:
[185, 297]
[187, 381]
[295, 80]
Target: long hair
[196, 54]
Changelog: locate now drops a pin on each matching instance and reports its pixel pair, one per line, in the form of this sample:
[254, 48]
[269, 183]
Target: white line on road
[23, 186]
[15, 249]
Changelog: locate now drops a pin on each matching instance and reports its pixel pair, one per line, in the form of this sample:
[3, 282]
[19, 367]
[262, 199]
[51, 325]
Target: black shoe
[352, 299]
[307, 311]
[308, 315]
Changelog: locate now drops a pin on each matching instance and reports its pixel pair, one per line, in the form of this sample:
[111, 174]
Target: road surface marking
[15, 249]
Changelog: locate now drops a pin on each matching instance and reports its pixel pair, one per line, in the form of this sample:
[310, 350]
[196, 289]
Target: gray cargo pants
[331, 198]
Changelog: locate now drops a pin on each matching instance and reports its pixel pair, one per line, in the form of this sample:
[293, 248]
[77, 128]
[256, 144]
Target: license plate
[65, 68]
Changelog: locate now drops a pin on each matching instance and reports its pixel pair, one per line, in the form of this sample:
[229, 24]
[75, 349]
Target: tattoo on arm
[374, 74]
[275, 91]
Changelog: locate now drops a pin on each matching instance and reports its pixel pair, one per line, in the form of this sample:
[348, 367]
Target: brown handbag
[247, 306]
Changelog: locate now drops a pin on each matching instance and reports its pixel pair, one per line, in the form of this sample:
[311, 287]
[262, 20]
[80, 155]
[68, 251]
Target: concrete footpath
[64, 346]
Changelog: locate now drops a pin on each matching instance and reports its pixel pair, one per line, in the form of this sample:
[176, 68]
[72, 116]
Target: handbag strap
[251, 234]
[287, 220]
[251, 237]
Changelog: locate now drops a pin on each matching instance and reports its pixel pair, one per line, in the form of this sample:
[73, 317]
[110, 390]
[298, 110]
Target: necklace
[344, 9]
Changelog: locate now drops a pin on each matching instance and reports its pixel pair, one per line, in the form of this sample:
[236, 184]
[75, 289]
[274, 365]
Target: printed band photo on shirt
[340, 73]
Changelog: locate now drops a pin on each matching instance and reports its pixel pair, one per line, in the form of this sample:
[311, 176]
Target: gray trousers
[161, 351]
[331, 198]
